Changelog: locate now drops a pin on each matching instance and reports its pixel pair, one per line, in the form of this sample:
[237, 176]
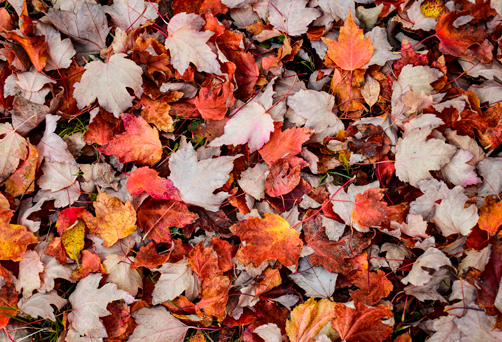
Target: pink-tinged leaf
[139, 143]
[148, 180]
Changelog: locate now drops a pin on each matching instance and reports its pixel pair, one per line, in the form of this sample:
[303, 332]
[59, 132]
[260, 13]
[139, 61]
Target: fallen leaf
[266, 239]
[373, 286]
[139, 143]
[146, 179]
[490, 215]
[14, 238]
[308, 319]
[291, 17]
[13, 148]
[157, 324]
[316, 281]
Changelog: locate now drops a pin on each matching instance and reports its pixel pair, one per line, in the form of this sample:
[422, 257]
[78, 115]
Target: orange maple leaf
[308, 319]
[13, 238]
[266, 239]
[490, 215]
[148, 180]
[372, 286]
[352, 50]
[362, 324]
[370, 210]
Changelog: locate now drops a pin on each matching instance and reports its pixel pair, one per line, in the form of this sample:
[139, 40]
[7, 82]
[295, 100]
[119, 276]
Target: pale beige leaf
[89, 304]
[39, 305]
[60, 51]
[32, 85]
[120, 272]
[108, 83]
[291, 16]
[52, 146]
[197, 180]
[131, 14]
[174, 280]
[157, 324]
[252, 180]
[432, 259]
[13, 148]
[28, 279]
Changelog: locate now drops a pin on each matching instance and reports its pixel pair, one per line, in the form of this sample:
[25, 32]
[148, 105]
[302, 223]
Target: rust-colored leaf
[146, 179]
[372, 286]
[490, 215]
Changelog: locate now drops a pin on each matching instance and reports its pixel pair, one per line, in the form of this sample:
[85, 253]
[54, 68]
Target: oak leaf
[362, 324]
[352, 50]
[107, 82]
[89, 304]
[308, 319]
[13, 238]
[266, 239]
[197, 180]
[146, 179]
[139, 143]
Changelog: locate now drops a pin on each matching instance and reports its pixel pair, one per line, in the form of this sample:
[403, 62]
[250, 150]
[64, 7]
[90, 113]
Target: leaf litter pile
[251, 170]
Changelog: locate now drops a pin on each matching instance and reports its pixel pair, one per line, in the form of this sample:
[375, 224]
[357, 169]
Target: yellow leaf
[73, 240]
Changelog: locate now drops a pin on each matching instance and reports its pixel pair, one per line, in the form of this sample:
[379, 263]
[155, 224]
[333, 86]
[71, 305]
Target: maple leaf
[316, 281]
[269, 332]
[32, 85]
[187, 44]
[52, 146]
[451, 215]
[214, 99]
[283, 143]
[316, 108]
[490, 215]
[107, 82]
[369, 209]
[13, 238]
[252, 124]
[308, 319]
[252, 180]
[39, 305]
[73, 240]
[146, 179]
[416, 156]
[157, 324]
[204, 262]
[139, 143]
[131, 14]
[266, 239]
[89, 36]
[352, 50]
[59, 51]
[372, 287]
[121, 274]
[214, 297]
[35, 47]
[467, 42]
[28, 279]
[361, 323]
[174, 280]
[432, 259]
[114, 220]
[291, 17]
[89, 303]
[340, 9]
[13, 148]
[155, 217]
[9, 299]
[197, 180]
[26, 115]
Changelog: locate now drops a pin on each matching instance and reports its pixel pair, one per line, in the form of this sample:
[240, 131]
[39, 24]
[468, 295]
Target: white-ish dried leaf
[252, 180]
[291, 16]
[269, 332]
[28, 279]
[52, 146]
[459, 172]
[13, 148]
[415, 226]
[416, 156]
[433, 258]
[251, 125]
[108, 83]
[197, 180]
[57, 176]
[89, 304]
[157, 324]
[395, 254]
[489, 91]
[174, 280]
[120, 272]
[370, 90]
[316, 281]
[187, 44]
[339, 9]
[54, 270]
[131, 14]
[39, 305]
[491, 171]
[382, 50]
[32, 85]
[452, 217]
[60, 51]
[316, 107]
[476, 259]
